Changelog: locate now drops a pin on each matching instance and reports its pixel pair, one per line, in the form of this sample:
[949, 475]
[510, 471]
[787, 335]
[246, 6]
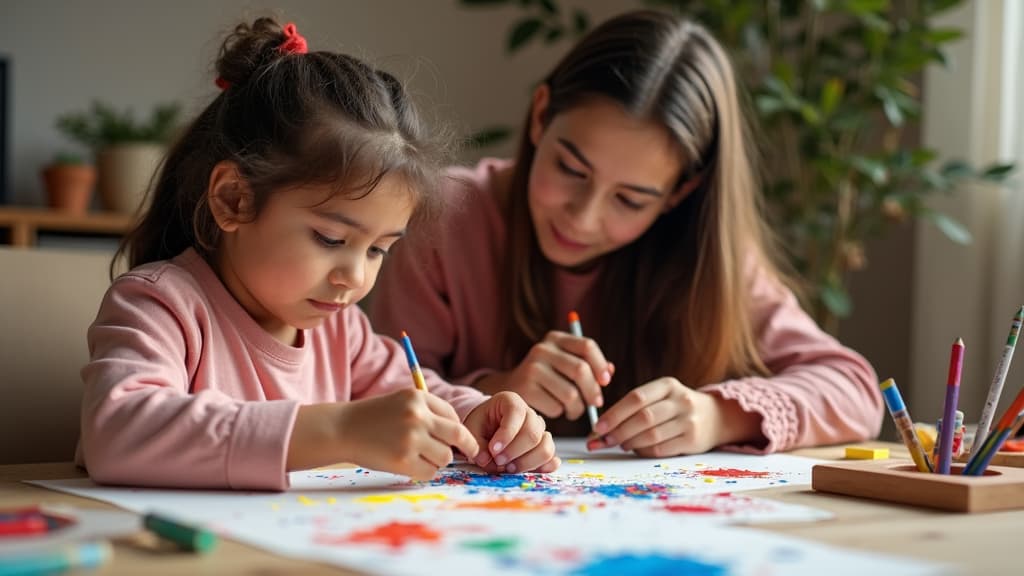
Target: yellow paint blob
[709, 480]
[591, 475]
[574, 461]
[307, 501]
[392, 498]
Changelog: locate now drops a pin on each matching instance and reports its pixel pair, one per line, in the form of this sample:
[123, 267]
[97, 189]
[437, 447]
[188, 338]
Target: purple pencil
[956, 364]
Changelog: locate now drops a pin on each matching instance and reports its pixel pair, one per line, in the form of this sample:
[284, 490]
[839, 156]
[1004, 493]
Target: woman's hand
[662, 418]
[406, 432]
[561, 374]
[511, 436]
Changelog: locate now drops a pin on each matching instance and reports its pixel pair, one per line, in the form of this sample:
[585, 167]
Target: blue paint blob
[649, 565]
[634, 490]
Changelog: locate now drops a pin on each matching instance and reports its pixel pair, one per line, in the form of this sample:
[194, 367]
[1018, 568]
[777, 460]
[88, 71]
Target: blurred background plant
[128, 151]
[835, 89]
[102, 125]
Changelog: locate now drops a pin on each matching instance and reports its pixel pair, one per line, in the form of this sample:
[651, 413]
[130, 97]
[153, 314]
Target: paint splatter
[307, 501]
[510, 504]
[724, 503]
[392, 498]
[592, 475]
[395, 535]
[493, 546]
[649, 564]
[689, 509]
[632, 490]
[524, 482]
[734, 473]
[574, 461]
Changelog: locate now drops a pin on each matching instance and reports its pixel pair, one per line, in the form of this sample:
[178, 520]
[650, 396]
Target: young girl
[633, 200]
[233, 351]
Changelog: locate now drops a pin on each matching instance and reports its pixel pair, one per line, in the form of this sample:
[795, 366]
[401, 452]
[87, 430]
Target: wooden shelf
[25, 223]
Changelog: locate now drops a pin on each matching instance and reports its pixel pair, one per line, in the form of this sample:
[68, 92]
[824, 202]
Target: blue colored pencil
[901, 416]
[84, 555]
[956, 364]
[414, 363]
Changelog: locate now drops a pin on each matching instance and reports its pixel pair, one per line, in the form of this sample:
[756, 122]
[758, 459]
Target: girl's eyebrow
[342, 219]
[575, 151]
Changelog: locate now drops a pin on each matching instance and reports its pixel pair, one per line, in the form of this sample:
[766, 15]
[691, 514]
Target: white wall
[972, 111]
[66, 53]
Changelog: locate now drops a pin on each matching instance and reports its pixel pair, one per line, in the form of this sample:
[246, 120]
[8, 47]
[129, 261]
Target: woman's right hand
[561, 374]
[406, 432]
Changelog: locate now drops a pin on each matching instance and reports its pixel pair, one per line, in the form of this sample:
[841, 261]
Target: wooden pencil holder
[1014, 459]
[898, 480]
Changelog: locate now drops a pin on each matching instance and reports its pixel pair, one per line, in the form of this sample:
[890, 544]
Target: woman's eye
[327, 240]
[567, 170]
[625, 201]
[376, 252]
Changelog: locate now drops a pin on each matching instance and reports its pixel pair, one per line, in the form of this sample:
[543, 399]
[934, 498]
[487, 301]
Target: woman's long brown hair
[683, 285]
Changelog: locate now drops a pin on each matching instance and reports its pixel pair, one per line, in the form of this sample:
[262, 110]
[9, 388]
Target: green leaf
[956, 169]
[549, 6]
[769, 105]
[553, 35]
[953, 230]
[830, 95]
[922, 156]
[810, 114]
[580, 22]
[836, 300]
[876, 23]
[861, 7]
[998, 172]
[943, 35]
[489, 136]
[522, 33]
[876, 171]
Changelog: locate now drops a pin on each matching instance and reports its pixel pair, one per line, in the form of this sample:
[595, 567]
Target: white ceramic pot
[126, 172]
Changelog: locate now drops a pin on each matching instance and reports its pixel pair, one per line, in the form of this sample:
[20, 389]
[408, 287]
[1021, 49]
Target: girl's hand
[561, 374]
[661, 418]
[407, 432]
[511, 436]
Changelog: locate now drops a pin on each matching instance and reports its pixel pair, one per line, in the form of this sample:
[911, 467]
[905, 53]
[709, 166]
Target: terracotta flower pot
[69, 186]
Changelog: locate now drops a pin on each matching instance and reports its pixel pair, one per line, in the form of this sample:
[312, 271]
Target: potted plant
[128, 152]
[835, 88]
[69, 181]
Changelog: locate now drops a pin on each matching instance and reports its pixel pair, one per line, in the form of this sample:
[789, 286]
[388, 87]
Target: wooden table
[25, 222]
[981, 544]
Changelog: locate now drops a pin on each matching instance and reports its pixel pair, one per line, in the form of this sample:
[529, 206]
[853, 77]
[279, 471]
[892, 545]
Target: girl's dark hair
[286, 119]
[681, 290]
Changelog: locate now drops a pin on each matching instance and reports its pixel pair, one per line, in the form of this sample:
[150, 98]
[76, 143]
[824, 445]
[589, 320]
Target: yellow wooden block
[861, 453]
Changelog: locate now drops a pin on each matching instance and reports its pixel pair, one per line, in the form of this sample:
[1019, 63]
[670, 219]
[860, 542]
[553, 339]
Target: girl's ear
[229, 196]
[541, 98]
[683, 191]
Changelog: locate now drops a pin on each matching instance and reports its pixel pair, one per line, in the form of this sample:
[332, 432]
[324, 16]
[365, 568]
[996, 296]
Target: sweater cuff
[779, 422]
[259, 445]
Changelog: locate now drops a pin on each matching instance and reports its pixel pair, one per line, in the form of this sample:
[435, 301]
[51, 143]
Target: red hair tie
[294, 43]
